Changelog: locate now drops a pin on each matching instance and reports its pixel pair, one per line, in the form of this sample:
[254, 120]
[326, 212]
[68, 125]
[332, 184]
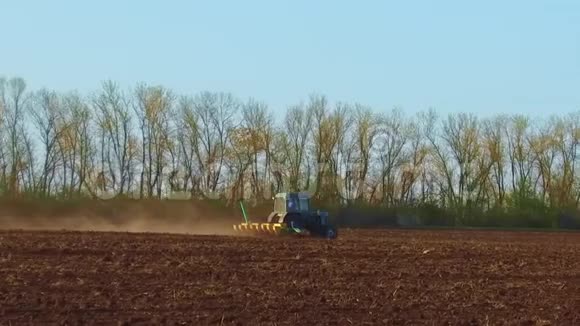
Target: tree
[520, 157]
[215, 116]
[298, 124]
[239, 157]
[115, 128]
[495, 147]
[153, 108]
[44, 110]
[420, 154]
[13, 99]
[367, 129]
[394, 135]
[258, 124]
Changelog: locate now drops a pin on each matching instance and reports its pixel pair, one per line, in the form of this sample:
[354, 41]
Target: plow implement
[269, 228]
[264, 228]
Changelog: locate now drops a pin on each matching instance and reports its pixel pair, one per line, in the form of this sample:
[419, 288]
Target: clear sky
[511, 56]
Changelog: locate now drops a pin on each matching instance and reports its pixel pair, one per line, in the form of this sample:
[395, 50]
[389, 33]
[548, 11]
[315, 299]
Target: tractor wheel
[293, 221]
[331, 233]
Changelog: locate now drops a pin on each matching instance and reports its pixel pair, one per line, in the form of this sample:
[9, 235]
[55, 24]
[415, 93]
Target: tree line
[149, 142]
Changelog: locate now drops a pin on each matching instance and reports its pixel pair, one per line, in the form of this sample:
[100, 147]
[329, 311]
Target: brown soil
[364, 277]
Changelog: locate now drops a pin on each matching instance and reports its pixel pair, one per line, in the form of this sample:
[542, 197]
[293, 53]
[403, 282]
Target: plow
[291, 215]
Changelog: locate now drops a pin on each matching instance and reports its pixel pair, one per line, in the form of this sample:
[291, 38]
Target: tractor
[291, 215]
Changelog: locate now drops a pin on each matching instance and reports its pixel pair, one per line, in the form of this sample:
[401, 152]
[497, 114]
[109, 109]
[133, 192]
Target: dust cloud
[120, 217]
[136, 225]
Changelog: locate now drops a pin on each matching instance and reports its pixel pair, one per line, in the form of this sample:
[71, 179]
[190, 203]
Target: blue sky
[484, 57]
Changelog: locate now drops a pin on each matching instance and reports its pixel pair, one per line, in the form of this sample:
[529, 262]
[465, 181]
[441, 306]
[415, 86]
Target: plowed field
[364, 277]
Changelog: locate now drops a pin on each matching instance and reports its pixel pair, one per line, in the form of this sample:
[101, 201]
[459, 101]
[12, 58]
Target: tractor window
[292, 203]
[279, 205]
[304, 204]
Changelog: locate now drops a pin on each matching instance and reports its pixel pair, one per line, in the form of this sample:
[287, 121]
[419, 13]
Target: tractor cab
[296, 202]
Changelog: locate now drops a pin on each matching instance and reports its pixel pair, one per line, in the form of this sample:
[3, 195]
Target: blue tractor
[292, 214]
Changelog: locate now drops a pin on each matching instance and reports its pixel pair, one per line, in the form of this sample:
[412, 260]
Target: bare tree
[342, 147]
[298, 124]
[153, 107]
[13, 101]
[44, 111]
[78, 139]
[325, 138]
[216, 114]
[3, 142]
[461, 135]
[415, 160]
[566, 141]
[367, 129]
[544, 148]
[115, 124]
[520, 156]
[495, 147]
[189, 142]
[257, 122]
[239, 157]
[279, 153]
[393, 136]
